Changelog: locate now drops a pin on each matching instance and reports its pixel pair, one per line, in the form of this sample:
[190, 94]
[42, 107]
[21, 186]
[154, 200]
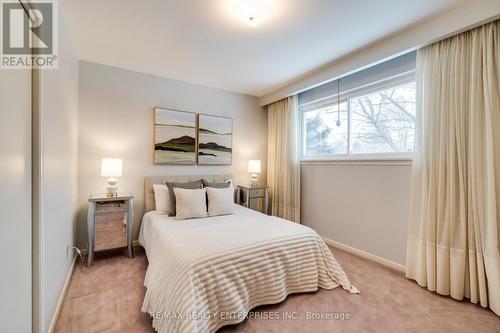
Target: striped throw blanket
[207, 273]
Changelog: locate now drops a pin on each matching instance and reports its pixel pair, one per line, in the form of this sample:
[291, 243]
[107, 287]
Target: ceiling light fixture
[252, 21]
[252, 12]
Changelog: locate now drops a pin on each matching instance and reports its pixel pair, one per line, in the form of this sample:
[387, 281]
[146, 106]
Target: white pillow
[220, 201]
[162, 199]
[190, 203]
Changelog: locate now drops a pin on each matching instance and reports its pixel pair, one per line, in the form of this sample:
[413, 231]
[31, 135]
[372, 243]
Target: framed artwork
[175, 137]
[215, 140]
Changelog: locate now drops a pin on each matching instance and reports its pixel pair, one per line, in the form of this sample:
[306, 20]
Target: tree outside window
[380, 122]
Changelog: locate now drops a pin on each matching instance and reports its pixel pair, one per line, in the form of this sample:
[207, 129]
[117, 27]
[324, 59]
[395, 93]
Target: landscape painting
[175, 137]
[215, 140]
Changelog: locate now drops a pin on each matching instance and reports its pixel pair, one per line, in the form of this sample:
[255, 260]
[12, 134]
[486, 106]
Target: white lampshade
[254, 166]
[111, 167]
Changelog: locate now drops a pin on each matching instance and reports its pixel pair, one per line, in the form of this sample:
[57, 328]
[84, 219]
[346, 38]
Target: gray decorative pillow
[206, 183]
[171, 185]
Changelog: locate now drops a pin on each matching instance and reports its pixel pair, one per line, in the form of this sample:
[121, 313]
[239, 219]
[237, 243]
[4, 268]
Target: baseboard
[135, 243]
[365, 255]
[60, 302]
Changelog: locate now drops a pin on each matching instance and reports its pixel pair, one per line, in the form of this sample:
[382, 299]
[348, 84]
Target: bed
[209, 272]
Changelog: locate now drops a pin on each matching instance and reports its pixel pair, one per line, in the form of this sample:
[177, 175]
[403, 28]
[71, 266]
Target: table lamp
[254, 168]
[111, 168]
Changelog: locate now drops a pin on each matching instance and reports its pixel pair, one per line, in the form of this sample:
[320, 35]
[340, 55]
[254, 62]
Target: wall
[15, 200]
[58, 147]
[116, 119]
[361, 204]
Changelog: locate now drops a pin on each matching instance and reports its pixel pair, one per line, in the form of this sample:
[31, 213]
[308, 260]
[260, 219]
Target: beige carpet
[107, 297]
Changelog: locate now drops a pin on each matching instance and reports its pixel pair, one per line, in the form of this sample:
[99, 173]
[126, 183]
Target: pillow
[190, 185]
[220, 201]
[162, 198]
[227, 183]
[191, 203]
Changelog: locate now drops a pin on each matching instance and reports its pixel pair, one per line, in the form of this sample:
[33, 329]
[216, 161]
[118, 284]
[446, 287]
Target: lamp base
[112, 188]
[254, 180]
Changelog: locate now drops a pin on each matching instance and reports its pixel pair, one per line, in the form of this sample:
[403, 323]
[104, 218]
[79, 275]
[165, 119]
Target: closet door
[15, 200]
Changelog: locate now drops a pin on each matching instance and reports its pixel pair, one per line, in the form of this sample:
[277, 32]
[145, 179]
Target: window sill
[361, 159]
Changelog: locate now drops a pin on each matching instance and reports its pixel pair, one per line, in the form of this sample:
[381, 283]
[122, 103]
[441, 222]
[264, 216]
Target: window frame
[347, 95]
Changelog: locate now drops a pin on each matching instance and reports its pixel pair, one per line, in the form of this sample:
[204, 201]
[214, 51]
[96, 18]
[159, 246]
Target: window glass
[384, 121]
[322, 135]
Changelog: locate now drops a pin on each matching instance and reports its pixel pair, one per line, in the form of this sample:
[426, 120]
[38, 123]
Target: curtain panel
[283, 169]
[453, 235]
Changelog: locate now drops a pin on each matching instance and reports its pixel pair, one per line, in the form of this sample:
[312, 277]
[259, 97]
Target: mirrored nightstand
[255, 197]
[109, 223]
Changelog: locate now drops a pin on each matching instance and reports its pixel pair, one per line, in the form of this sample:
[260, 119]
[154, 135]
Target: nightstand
[109, 224]
[250, 193]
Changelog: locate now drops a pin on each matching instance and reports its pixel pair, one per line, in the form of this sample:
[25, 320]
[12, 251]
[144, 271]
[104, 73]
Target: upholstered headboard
[150, 180]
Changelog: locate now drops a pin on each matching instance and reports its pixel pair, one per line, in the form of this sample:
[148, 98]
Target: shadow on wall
[81, 228]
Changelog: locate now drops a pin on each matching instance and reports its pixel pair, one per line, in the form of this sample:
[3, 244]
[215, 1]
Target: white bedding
[205, 273]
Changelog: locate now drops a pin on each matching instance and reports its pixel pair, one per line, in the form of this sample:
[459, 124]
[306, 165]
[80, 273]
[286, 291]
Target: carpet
[107, 297]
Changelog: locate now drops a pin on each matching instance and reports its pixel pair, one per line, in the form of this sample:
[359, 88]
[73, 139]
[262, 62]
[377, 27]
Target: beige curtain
[453, 240]
[283, 169]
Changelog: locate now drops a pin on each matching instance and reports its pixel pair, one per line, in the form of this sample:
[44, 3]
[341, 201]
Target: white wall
[15, 200]
[58, 135]
[362, 206]
[116, 119]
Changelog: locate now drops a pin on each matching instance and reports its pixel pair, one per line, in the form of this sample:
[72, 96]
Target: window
[371, 123]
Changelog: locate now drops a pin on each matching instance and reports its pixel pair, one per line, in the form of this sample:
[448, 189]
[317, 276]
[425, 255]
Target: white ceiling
[199, 41]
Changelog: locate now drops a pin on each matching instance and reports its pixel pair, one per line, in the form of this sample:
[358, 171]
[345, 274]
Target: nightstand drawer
[257, 193]
[110, 231]
[113, 206]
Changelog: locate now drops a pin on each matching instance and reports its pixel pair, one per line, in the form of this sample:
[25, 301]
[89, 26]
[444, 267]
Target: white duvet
[207, 273]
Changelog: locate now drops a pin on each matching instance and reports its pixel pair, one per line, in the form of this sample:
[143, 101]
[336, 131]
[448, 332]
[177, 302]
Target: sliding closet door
[15, 200]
